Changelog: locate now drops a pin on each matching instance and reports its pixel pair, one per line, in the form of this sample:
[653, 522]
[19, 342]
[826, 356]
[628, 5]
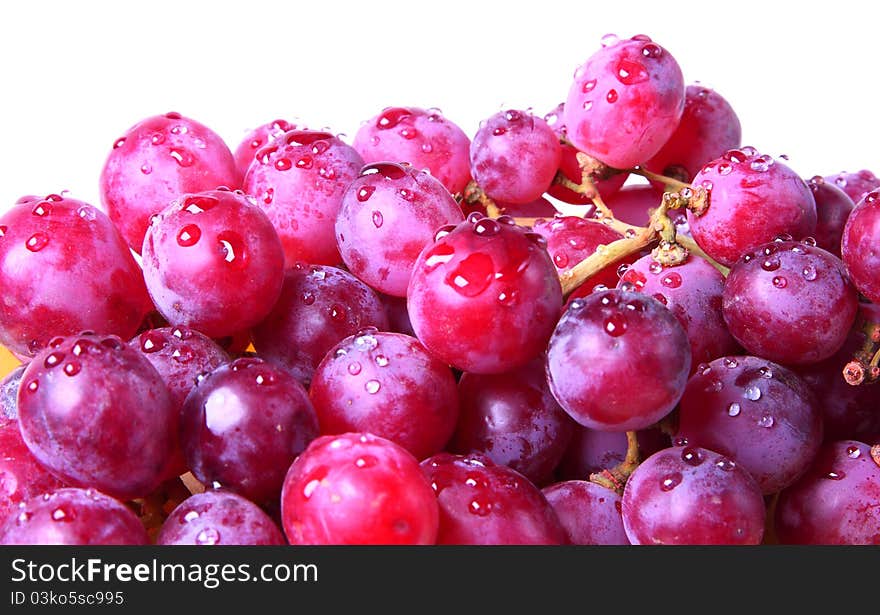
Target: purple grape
[836, 501]
[21, 475]
[692, 496]
[789, 302]
[756, 412]
[97, 414]
[833, 207]
[607, 342]
[388, 385]
[590, 513]
[73, 517]
[242, 426]
[319, 306]
[219, 517]
[483, 503]
[591, 451]
[513, 419]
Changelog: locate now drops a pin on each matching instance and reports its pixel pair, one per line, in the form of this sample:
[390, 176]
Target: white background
[75, 75]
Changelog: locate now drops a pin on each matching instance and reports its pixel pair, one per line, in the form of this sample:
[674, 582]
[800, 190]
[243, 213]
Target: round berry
[219, 517]
[242, 426]
[64, 268]
[97, 414]
[357, 489]
[589, 512]
[257, 139]
[299, 180]
[858, 246]
[389, 213]
[154, 162]
[423, 138]
[607, 342]
[625, 102]
[213, 262]
[752, 200]
[484, 296]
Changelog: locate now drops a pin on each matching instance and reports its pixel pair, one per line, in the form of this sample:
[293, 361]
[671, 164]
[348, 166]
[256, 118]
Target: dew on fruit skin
[365, 342]
[184, 354]
[652, 50]
[487, 227]
[670, 481]
[809, 273]
[472, 275]
[338, 312]
[231, 247]
[715, 386]
[766, 372]
[704, 369]
[679, 441]
[780, 281]
[308, 298]
[377, 218]
[587, 105]
[63, 513]
[53, 359]
[189, 236]
[306, 162]
[836, 475]
[762, 164]
[374, 140]
[372, 386]
[692, 456]
[152, 342]
[671, 280]
[182, 157]
[770, 264]
[752, 393]
[191, 516]
[809, 241]
[283, 164]
[37, 242]
[611, 96]
[208, 536]
[365, 192]
[481, 509]
[629, 72]
[733, 409]
[327, 173]
[853, 452]
[366, 461]
[725, 168]
[766, 421]
[615, 325]
[381, 360]
[725, 464]
[560, 259]
[354, 368]
[730, 362]
[119, 143]
[33, 385]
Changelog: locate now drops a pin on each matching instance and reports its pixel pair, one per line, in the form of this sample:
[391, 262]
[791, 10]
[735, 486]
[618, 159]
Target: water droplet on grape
[208, 536]
[37, 242]
[752, 393]
[372, 386]
[779, 281]
[366, 461]
[809, 273]
[733, 409]
[189, 235]
[671, 280]
[692, 456]
[853, 452]
[836, 475]
[728, 465]
[377, 219]
[766, 421]
[670, 481]
[611, 96]
[615, 325]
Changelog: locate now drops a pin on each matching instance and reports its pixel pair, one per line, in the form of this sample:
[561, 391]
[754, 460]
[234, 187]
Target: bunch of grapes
[613, 324]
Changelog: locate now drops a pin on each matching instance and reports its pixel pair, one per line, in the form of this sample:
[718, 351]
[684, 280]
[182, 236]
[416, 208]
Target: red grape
[156, 161]
[388, 385]
[856, 185]
[789, 302]
[73, 517]
[591, 451]
[299, 180]
[97, 414]
[625, 102]
[590, 513]
[213, 262]
[423, 138]
[756, 412]
[219, 517]
[357, 489]
[484, 297]
[512, 419]
[242, 426]
[858, 246]
[833, 207]
[64, 268]
[690, 495]
[571, 239]
[483, 503]
[603, 345]
[257, 139]
[389, 213]
[709, 127]
[21, 475]
[632, 204]
[692, 291]
[752, 200]
[835, 502]
[514, 156]
[318, 307]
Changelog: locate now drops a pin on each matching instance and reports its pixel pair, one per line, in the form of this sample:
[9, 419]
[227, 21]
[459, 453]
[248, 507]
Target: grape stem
[672, 184]
[865, 365]
[615, 478]
[473, 195]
